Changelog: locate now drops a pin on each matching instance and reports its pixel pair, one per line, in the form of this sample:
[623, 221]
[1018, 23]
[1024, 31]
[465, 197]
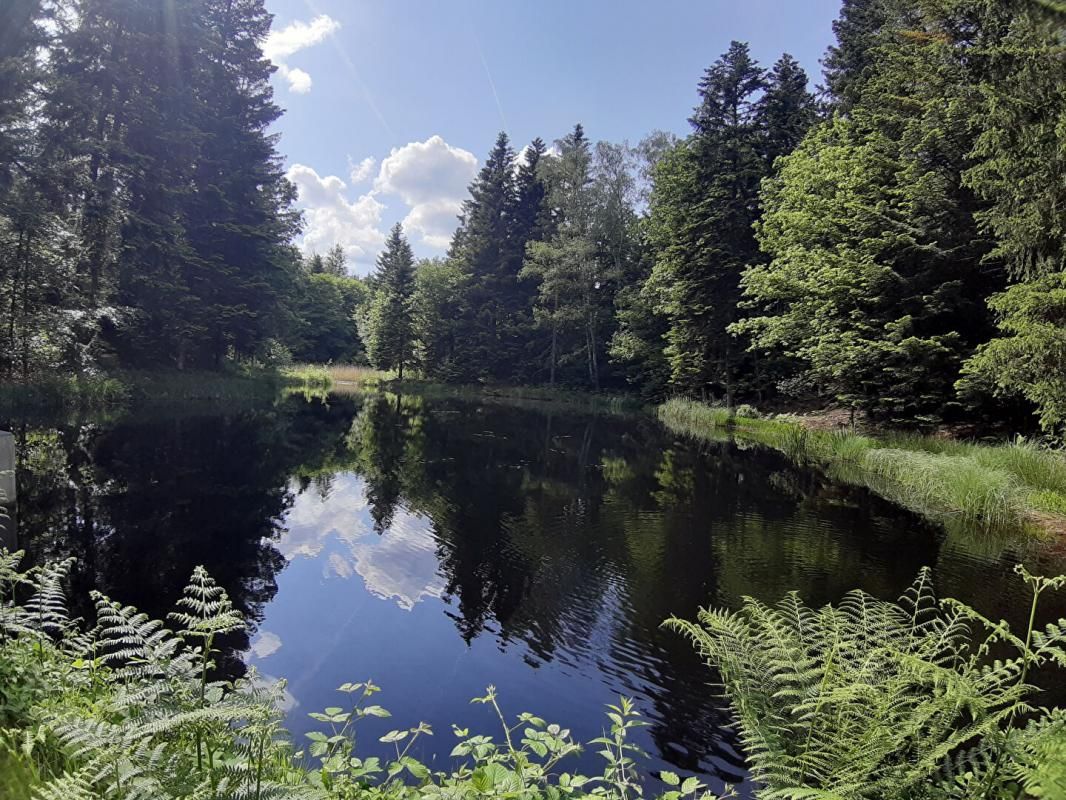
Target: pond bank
[1012, 485]
[1005, 486]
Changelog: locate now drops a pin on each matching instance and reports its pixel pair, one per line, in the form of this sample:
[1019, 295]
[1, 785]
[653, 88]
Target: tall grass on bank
[128, 388]
[1016, 484]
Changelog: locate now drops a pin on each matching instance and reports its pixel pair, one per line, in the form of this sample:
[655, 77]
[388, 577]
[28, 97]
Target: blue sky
[392, 104]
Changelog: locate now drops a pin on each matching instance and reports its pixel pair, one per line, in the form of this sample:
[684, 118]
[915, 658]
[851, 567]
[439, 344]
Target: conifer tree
[336, 262]
[389, 341]
[1018, 162]
[847, 63]
[567, 267]
[702, 209]
[786, 111]
[878, 272]
[482, 249]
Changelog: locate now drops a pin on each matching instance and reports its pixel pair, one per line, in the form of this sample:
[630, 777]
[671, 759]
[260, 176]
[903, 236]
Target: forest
[890, 241]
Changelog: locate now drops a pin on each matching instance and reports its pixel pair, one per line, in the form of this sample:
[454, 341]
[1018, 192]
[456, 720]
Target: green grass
[320, 380]
[120, 391]
[1012, 485]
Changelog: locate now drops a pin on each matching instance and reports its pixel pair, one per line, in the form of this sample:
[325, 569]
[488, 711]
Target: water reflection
[438, 546]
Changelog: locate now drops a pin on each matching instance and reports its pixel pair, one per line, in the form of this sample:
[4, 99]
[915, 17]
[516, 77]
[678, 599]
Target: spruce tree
[702, 209]
[567, 267]
[482, 247]
[848, 63]
[336, 262]
[877, 271]
[390, 342]
[1018, 162]
[786, 111]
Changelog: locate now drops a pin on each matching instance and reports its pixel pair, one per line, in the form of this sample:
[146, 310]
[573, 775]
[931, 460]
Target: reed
[1016, 484]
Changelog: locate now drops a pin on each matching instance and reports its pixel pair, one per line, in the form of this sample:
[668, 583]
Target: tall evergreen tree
[390, 340]
[1018, 162]
[786, 111]
[702, 209]
[336, 262]
[567, 267]
[878, 272]
[848, 63]
[482, 248]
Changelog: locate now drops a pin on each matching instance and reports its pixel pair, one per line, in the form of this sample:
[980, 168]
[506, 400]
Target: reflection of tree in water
[578, 535]
[142, 501]
[572, 535]
[381, 441]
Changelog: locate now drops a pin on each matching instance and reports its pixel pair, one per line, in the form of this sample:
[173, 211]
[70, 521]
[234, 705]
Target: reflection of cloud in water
[400, 564]
[286, 700]
[266, 644]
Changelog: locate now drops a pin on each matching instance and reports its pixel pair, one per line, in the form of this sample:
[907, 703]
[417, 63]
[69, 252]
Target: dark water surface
[441, 546]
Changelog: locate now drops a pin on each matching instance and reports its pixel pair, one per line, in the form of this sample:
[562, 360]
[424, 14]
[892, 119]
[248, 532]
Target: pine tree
[1018, 162]
[567, 267]
[878, 272]
[847, 64]
[786, 111]
[336, 262]
[390, 342]
[482, 247]
[702, 209]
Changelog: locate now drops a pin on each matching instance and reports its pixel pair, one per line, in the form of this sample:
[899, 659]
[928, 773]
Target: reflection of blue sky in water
[399, 565]
[353, 604]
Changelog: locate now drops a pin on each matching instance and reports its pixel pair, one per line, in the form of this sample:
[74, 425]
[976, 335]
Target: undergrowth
[874, 700]
[994, 486]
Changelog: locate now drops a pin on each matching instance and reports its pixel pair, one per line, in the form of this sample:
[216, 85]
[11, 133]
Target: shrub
[873, 699]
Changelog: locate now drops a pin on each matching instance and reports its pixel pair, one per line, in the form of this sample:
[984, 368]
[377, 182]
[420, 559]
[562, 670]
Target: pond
[438, 546]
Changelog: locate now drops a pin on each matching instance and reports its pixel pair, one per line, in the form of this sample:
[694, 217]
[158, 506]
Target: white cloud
[434, 221]
[432, 178]
[266, 644]
[423, 171]
[363, 170]
[293, 38]
[330, 218]
[299, 81]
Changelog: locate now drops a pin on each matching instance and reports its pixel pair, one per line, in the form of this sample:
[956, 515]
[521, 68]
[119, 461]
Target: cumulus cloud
[432, 178]
[423, 171]
[434, 221]
[330, 218]
[363, 170]
[294, 37]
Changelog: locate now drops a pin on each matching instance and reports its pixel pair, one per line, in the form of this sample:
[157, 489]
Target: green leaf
[669, 778]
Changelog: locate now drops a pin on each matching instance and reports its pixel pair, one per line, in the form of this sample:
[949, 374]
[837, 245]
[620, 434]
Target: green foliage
[992, 486]
[874, 699]
[389, 336]
[130, 709]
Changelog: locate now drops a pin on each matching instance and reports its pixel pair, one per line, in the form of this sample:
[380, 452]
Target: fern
[873, 699]
[69, 786]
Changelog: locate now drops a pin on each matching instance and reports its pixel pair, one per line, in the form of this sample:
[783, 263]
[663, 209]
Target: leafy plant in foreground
[874, 699]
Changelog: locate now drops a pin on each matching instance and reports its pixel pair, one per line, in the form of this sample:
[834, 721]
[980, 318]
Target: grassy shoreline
[125, 389]
[1012, 485]
[1005, 486]
[319, 378]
